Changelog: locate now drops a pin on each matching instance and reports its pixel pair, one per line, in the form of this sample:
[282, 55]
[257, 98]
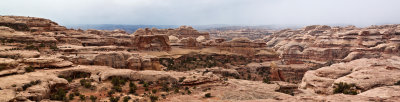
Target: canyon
[41, 60]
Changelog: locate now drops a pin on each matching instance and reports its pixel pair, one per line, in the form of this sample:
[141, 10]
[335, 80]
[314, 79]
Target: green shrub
[181, 79]
[114, 99]
[86, 83]
[132, 90]
[141, 82]
[132, 85]
[248, 76]
[2, 67]
[154, 91]
[31, 47]
[42, 45]
[163, 96]
[29, 69]
[345, 88]
[145, 84]
[71, 96]
[77, 93]
[397, 83]
[82, 97]
[82, 81]
[153, 98]
[25, 86]
[54, 47]
[117, 81]
[117, 88]
[126, 99]
[165, 87]
[207, 95]
[111, 92]
[93, 98]
[266, 80]
[59, 95]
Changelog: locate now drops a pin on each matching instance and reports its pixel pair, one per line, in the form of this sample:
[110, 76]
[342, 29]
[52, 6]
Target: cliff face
[21, 23]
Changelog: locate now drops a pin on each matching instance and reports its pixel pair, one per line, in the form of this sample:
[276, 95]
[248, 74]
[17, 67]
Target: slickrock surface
[364, 73]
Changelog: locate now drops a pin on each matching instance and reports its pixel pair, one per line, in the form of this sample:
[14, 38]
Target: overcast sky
[202, 12]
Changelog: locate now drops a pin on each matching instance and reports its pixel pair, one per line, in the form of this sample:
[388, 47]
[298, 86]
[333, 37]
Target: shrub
[111, 92]
[165, 87]
[181, 79]
[132, 90]
[345, 88]
[82, 97]
[2, 67]
[153, 98]
[59, 95]
[145, 84]
[154, 91]
[117, 81]
[117, 88]
[53, 47]
[77, 93]
[114, 99]
[176, 90]
[86, 83]
[31, 47]
[132, 85]
[42, 45]
[71, 96]
[207, 95]
[29, 69]
[266, 80]
[189, 92]
[126, 99]
[93, 98]
[248, 76]
[25, 86]
[141, 82]
[397, 83]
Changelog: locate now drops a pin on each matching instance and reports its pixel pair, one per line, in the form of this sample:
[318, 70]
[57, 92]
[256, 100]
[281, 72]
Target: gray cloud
[199, 12]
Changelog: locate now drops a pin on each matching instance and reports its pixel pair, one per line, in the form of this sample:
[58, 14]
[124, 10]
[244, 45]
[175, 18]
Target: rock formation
[43, 61]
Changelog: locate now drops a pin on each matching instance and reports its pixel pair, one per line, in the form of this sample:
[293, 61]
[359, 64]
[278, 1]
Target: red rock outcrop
[33, 24]
[152, 42]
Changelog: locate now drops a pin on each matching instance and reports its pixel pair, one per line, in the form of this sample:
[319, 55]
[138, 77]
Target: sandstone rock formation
[322, 80]
[33, 24]
[43, 61]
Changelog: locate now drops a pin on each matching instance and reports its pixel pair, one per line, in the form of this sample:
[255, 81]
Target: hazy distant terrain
[132, 28]
[128, 28]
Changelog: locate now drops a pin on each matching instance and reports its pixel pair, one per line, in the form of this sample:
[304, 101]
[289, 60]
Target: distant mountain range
[133, 28]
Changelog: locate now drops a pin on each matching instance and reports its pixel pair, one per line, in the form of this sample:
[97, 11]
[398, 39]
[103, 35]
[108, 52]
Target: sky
[205, 12]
